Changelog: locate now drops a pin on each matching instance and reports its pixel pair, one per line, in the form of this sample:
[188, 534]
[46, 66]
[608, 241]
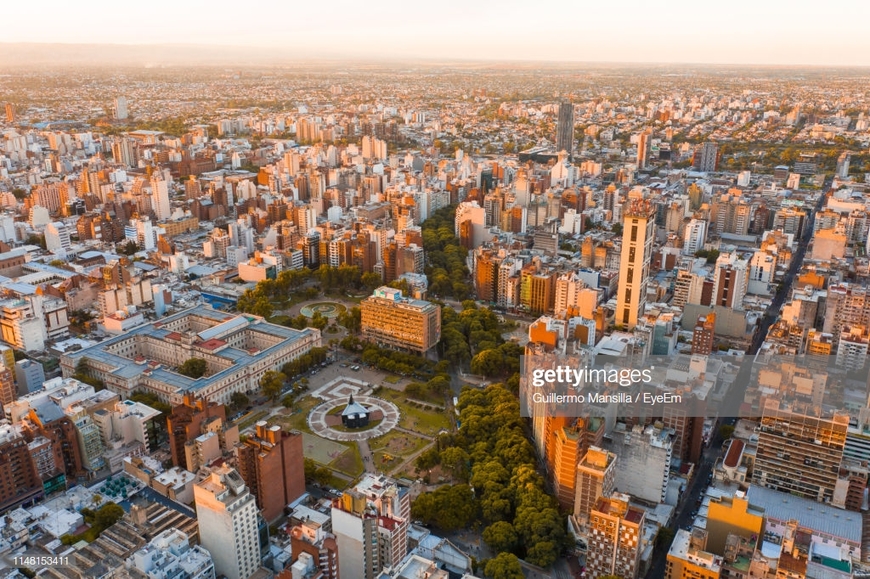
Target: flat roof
[810, 514]
[128, 368]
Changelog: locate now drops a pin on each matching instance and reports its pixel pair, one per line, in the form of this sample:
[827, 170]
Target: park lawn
[338, 483]
[299, 419]
[383, 464]
[350, 462]
[414, 418]
[409, 473]
[397, 443]
[392, 379]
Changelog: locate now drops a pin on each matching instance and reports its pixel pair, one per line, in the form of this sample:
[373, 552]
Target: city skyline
[747, 33]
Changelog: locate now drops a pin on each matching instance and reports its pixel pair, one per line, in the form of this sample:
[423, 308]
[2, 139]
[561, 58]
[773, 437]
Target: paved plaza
[336, 393]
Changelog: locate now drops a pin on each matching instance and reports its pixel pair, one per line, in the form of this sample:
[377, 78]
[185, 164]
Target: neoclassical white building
[238, 349]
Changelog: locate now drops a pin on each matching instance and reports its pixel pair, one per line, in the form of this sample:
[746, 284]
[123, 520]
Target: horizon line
[270, 59]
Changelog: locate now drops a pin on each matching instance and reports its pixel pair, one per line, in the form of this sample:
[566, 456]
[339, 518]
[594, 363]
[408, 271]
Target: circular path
[317, 419]
[328, 310]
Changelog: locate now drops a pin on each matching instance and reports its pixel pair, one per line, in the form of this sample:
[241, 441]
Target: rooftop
[680, 549]
[810, 514]
[217, 325]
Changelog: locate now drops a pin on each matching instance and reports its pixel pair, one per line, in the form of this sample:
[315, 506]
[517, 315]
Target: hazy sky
[737, 31]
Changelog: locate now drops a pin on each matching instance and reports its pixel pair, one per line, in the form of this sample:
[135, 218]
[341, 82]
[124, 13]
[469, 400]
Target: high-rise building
[730, 213]
[8, 394]
[537, 288]
[10, 113]
[799, 453]
[574, 297]
[762, 268]
[160, 198]
[311, 249]
[191, 419]
[615, 538]
[565, 129]
[689, 287]
[638, 232]
[852, 348]
[22, 324]
[702, 337]
[687, 422]
[643, 143]
[790, 220]
[370, 523]
[706, 158]
[119, 111]
[57, 237]
[486, 268]
[228, 525]
[311, 533]
[846, 305]
[399, 322]
[644, 465]
[694, 236]
[470, 225]
[410, 259]
[596, 475]
[125, 151]
[730, 281]
[568, 447]
[30, 375]
[19, 479]
[843, 162]
[52, 196]
[271, 463]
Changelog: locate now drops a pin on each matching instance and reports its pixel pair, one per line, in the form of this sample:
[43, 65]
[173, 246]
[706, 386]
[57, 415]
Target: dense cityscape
[282, 322]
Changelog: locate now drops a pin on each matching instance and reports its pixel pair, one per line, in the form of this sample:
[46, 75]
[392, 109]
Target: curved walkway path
[317, 419]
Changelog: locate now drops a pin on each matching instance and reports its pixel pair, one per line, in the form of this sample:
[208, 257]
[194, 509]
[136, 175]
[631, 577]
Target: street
[731, 405]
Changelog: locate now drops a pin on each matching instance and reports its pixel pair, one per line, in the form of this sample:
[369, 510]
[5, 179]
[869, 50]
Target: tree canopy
[193, 368]
[446, 267]
[492, 451]
[272, 382]
[239, 400]
[504, 566]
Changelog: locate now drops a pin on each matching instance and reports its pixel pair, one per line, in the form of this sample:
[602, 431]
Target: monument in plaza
[354, 415]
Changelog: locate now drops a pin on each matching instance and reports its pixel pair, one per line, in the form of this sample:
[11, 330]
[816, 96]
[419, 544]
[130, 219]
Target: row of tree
[259, 300]
[446, 267]
[475, 335]
[387, 360]
[491, 456]
[304, 363]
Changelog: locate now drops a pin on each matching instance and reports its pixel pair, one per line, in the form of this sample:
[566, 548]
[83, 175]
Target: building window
[634, 232]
